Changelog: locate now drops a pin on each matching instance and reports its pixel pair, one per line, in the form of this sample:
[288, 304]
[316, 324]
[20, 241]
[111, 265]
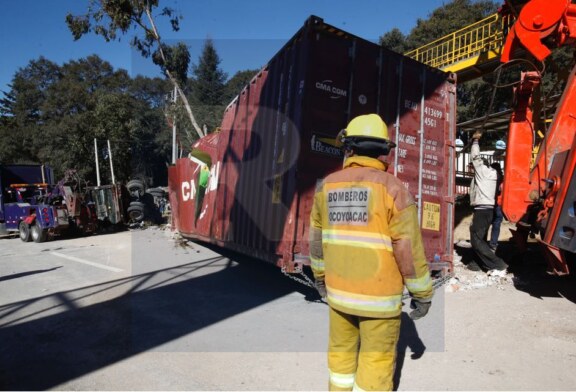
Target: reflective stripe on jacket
[365, 240]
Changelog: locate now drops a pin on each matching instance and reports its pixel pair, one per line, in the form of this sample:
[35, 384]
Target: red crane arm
[538, 20]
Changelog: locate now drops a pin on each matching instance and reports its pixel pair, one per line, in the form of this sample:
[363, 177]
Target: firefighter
[365, 246]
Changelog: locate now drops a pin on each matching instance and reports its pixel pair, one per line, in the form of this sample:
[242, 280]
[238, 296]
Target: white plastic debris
[464, 244]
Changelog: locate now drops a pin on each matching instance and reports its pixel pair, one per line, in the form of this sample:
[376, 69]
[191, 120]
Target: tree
[111, 18]
[237, 83]
[448, 18]
[394, 40]
[150, 149]
[474, 96]
[208, 86]
[209, 79]
[444, 20]
[22, 108]
[52, 114]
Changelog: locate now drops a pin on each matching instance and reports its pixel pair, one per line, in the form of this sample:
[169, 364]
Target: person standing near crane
[483, 200]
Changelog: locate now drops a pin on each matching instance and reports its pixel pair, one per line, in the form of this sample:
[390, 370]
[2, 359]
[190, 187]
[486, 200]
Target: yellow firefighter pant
[362, 352]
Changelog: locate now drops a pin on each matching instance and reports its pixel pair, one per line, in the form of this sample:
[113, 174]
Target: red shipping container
[277, 139]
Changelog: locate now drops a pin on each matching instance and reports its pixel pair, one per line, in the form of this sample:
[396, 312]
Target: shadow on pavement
[409, 339]
[27, 273]
[530, 275]
[41, 353]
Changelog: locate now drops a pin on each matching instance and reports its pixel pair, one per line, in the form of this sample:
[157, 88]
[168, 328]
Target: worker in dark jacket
[365, 247]
[483, 200]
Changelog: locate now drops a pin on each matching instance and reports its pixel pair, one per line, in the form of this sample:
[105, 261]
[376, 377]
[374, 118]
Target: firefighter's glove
[320, 287]
[420, 307]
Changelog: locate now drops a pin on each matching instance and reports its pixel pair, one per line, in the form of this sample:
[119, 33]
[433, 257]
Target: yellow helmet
[367, 126]
[367, 135]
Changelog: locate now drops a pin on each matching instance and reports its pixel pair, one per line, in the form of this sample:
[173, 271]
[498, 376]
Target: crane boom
[542, 197]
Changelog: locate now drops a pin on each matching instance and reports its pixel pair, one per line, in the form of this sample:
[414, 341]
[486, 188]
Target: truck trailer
[249, 186]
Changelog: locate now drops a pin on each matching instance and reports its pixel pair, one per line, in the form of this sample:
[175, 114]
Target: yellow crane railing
[485, 37]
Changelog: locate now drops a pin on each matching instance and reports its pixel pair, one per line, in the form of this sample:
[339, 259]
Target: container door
[423, 160]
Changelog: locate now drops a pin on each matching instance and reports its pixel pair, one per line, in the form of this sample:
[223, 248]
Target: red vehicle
[249, 187]
[540, 195]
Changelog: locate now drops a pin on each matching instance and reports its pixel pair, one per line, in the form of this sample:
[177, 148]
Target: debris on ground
[465, 279]
[180, 241]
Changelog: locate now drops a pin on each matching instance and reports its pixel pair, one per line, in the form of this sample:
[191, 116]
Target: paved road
[137, 311]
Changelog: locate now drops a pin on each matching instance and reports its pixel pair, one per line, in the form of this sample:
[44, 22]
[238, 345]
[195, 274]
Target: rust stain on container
[277, 140]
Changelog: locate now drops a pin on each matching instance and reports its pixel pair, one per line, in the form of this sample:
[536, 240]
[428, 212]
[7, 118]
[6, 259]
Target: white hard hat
[500, 145]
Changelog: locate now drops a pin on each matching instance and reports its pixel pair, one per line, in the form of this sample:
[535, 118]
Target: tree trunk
[173, 79]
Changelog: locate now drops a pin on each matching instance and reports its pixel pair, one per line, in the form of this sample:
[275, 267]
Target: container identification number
[432, 116]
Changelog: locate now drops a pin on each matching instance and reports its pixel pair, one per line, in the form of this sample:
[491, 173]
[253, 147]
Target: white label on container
[188, 190]
[429, 190]
[408, 104]
[336, 92]
[429, 175]
[408, 139]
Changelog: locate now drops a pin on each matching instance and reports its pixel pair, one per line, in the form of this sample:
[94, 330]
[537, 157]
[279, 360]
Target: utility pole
[97, 164]
[111, 165]
[174, 152]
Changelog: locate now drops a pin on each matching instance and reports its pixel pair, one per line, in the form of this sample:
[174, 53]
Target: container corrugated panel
[277, 140]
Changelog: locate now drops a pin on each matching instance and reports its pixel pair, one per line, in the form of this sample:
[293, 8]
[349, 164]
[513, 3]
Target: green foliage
[473, 97]
[237, 83]
[450, 17]
[208, 87]
[177, 60]
[394, 40]
[444, 20]
[113, 18]
[209, 79]
[52, 114]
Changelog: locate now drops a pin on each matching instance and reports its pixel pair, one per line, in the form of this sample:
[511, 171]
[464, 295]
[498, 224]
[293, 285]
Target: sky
[246, 33]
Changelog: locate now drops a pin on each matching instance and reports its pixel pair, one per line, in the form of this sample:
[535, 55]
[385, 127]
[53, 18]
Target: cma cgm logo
[336, 92]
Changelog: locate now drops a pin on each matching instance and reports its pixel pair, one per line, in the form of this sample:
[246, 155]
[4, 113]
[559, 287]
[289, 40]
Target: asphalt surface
[140, 311]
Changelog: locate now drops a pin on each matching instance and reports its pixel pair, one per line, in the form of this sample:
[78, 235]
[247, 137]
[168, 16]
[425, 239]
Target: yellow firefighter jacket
[365, 240]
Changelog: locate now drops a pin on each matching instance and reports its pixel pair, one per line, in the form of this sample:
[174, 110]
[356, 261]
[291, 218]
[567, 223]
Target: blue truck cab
[26, 203]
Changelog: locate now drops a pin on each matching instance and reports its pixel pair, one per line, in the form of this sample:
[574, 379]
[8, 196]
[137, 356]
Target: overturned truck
[249, 186]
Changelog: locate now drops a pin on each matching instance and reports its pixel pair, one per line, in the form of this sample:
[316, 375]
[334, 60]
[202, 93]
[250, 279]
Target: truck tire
[24, 231]
[38, 234]
[135, 188]
[156, 192]
[136, 212]
[137, 204]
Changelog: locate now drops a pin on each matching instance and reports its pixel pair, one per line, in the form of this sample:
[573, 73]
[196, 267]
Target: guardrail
[486, 36]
